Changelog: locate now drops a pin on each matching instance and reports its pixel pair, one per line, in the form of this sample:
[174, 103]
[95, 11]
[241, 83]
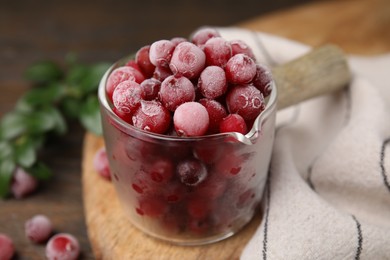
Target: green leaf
[6, 150]
[40, 171]
[42, 96]
[40, 121]
[71, 107]
[7, 167]
[12, 125]
[90, 115]
[25, 152]
[90, 82]
[43, 71]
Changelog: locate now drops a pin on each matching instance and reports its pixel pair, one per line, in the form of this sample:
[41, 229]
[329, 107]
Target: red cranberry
[143, 61]
[101, 165]
[143, 184]
[229, 165]
[175, 91]
[212, 82]
[239, 46]
[218, 51]
[151, 207]
[188, 60]
[191, 119]
[122, 74]
[127, 96]
[245, 100]
[212, 188]
[23, 183]
[160, 53]
[202, 35]
[233, 123]
[198, 207]
[240, 69]
[150, 88]
[152, 116]
[216, 113]
[38, 229]
[161, 170]
[161, 73]
[174, 192]
[177, 40]
[7, 248]
[191, 172]
[63, 246]
[262, 80]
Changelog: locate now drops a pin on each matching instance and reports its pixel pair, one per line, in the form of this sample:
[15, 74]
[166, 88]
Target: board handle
[321, 71]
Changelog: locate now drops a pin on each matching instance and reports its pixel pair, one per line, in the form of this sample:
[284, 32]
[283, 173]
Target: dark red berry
[152, 116]
[218, 51]
[160, 53]
[245, 100]
[212, 82]
[202, 35]
[143, 61]
[239, 46]
[191, 172]
[122, 74]
[127, 96]
[7, 248]
[216, 113]
[175, 91]
[151, 207]
[233, 123]
[63, 246]
[263, 80]
[150, 88]
[188, 60]
[240, 69]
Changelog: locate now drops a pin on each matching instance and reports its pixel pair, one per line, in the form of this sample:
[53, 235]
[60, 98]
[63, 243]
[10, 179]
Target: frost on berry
[202, 35]
[150, 88]
[101, 165]
[239, 46]
[62, 246]
[38, 228]
[160, 53]
[177, 40]
[240, 69]
[191, 172]
[212, 82]
[127, 96]
[245, 100]
[152, 116]
[23, 183]
[191, 119]
[7, 248]
[143, 61]
[121, 74]
[233, 123]
[216, 113]
[187, 60]
[161, 73]
[263, 80]
[175, 91]
[218, 51]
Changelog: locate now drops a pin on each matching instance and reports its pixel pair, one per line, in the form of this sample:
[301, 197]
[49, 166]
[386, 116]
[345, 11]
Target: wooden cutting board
[358, 26]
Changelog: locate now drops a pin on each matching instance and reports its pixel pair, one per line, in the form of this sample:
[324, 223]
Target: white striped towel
[328, 191]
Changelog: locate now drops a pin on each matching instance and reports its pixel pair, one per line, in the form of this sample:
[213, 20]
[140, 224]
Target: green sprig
[58, 95]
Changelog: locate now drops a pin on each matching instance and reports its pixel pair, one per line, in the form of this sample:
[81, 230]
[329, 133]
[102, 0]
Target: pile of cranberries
[205, 85]
[187, 188]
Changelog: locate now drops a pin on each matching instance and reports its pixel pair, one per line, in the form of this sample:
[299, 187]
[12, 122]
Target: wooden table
[107, 30]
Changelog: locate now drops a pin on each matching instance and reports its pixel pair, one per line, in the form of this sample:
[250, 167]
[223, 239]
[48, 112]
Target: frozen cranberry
[122, 74]
[23, 183]
[191, 119]
[7, 248]
[144, 185]
[212, 188]
[262, 80]
[38, 229]
[202, 35]
[63, 246]
[101, 165]
[124, 116]
[208, 153]
[229, 165]
[152, 116]
[127, 96]
[133, 63]
[161, 170]
[150, 88]
[160, 53]
[143, 61]
[245, 100]
[188, 60]
[233, 123]
[239, 46]
[151, 207]
[216, 113]
[177, 40]
[161, 73]
[218, 51]
[198, 226]
[174, 192]
[212, 82]
[191, 172]
[240, 69]
[175, 91]
[198, 207]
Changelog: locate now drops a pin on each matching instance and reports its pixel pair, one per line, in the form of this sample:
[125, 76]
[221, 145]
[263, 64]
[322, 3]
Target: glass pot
[188, 210]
